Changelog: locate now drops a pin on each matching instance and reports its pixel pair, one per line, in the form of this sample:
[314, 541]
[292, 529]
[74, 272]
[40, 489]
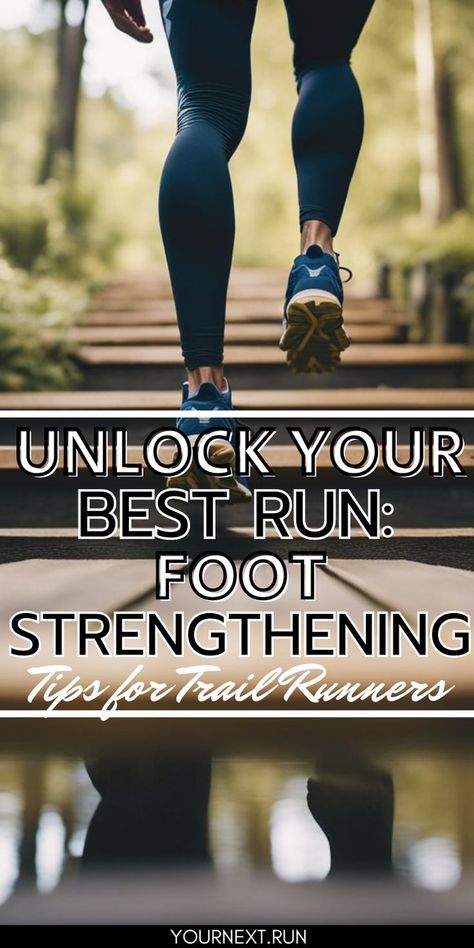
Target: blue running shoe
[313, 328]
[209, 399]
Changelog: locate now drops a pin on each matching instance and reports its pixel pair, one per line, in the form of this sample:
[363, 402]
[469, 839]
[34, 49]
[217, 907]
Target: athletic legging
[210, 46]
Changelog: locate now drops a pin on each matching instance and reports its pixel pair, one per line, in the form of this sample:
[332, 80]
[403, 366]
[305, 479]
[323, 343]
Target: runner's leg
[326, 135]
[210, 46]
[329, 120]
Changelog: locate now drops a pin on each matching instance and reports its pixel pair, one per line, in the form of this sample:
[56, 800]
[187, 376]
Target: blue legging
[210, 46]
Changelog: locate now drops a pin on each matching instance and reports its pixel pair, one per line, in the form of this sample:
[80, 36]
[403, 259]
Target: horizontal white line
[239, 714]
[245, 413]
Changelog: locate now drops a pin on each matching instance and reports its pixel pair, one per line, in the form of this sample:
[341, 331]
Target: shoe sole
[220, 453]
[315, 335]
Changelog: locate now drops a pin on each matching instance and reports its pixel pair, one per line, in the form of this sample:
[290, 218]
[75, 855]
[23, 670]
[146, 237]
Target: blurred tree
[450, 170]
[440, 178]
[61, 134]
[119, 155]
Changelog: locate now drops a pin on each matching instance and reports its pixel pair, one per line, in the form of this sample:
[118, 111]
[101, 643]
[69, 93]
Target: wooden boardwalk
[129, 354]
[130, 342]
[379, 399]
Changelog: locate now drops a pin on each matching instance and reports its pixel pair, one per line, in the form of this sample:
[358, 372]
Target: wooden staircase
[129, 354]
[130, 342]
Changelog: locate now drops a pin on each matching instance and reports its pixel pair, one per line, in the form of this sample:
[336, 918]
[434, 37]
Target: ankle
[207, 373]
[316, 232]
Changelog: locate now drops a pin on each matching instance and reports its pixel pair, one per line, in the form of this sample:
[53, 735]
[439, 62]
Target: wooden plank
[159, 277]
[377, 354]
[246, 282]
[164, 310]
[291, 399]
[142, 294]
[71, 585]
[400, 584]
[435, 533]
[39, 533]
[70, 533]
[287, 456]
[256, 287]
[60, 585]
[278, 457]
[272, 304]
[252, 333]
[163, 314]
[242, 306]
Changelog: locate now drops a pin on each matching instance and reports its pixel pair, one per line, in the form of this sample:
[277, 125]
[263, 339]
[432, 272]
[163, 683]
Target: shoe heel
[222, 452]
[315, 335]
[219, 453]
[185, 481]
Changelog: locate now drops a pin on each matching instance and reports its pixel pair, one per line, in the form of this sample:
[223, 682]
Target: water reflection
[299, 847]
[153, 811]
[158, 810]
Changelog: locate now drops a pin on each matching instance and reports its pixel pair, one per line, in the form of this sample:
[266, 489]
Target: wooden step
[242, 313]
[417, 503]
[163, 312]
[75, 585]
[444, 550]
[251, 291]
[160, 275]
[372, 399]
[413, 533]
[247, 334]
[358, 355]
[278, 457]
[242, 283]
[240, 276]
[439, 584]
[243, 307]
[70, 533]
[139, 294]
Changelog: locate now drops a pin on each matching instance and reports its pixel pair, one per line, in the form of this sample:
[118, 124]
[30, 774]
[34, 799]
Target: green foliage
[54, 229]
[35, 319]
[450, 245]
[54, 248]
[24, 227]
[464, 295]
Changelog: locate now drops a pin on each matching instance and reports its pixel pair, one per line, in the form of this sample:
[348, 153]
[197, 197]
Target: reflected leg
[153, 810]
[354, 805]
